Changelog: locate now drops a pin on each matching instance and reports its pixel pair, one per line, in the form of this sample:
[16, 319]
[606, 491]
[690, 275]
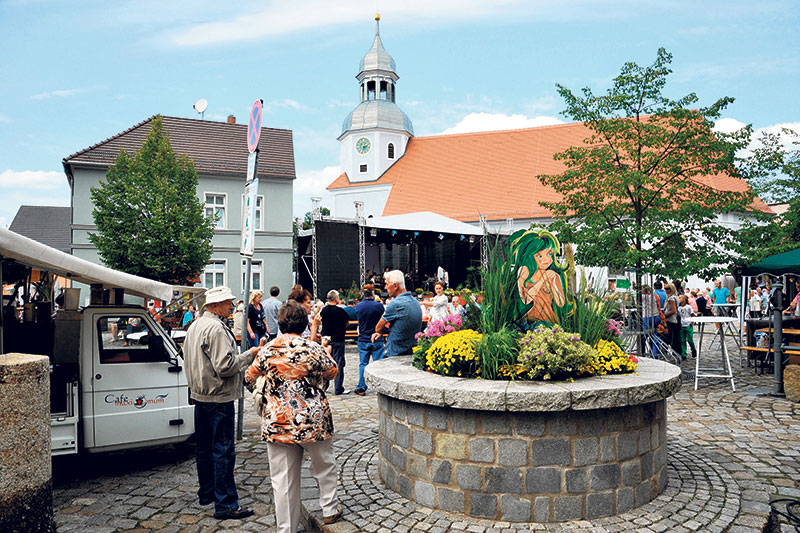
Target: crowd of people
[295, 349]
[667, 309]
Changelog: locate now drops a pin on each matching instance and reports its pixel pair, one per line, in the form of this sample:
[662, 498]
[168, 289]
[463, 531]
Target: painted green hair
[523, 245]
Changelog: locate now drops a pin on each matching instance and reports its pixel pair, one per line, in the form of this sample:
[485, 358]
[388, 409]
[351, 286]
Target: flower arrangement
[609, 358]
[435, 329]
[552, 353]
[488, 340]
[454, 354]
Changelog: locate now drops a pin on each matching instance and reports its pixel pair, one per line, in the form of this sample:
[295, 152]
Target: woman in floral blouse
[297, 416]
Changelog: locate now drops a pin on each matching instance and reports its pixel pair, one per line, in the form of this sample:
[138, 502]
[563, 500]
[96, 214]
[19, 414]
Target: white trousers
[284, 472]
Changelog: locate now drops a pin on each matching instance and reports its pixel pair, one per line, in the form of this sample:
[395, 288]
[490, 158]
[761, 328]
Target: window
[362, 168]
[390, 151]
[214, 274]
[125, 339]
[259, 212]
[215, 206]
[255, 275]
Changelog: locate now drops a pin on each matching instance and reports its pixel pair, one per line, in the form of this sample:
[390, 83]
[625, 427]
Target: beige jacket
[213, 362]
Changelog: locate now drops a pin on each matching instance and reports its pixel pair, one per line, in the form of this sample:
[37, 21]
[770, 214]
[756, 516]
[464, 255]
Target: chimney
[231, 119]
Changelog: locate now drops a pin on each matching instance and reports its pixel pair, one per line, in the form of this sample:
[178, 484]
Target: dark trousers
[216, 454]
[337, 352]
[252, 343]
[674, 336]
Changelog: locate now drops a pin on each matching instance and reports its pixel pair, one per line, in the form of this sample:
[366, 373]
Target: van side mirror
[155, 346]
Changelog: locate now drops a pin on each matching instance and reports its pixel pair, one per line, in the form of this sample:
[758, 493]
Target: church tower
[375, 134]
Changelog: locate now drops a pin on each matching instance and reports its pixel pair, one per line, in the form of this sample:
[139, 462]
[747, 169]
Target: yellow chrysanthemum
[453, 354]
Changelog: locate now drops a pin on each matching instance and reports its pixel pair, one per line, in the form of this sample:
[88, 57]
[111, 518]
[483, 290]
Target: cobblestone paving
[729, 454]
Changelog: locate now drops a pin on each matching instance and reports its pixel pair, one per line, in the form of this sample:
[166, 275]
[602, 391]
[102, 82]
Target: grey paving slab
[729, 453]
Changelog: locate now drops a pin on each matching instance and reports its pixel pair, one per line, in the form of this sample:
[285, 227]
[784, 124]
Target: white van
[117, 382]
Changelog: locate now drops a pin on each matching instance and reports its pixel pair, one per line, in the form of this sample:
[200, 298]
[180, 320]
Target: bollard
[26, 480]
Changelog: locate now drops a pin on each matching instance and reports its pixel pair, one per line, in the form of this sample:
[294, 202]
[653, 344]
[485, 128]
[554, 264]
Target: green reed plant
[495, 350]
[499, 284]
[594, 307]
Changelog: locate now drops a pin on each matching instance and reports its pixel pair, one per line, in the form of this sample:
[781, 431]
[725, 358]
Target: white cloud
[498, 121]
[39, 180]
[31, 187]
[58, 93]
[728, 125]
[312, 183]
[280, 18]
[778, 128]
[790, 142]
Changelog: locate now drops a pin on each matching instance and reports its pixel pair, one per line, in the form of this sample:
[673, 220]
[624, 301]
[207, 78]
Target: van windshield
[126, 339]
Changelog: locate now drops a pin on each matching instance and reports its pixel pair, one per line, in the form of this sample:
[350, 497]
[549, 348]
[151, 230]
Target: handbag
[258, 395]
[662, 328]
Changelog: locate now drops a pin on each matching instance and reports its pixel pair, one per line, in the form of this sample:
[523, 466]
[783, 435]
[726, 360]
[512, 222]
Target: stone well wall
[524, 452]
[26, 493]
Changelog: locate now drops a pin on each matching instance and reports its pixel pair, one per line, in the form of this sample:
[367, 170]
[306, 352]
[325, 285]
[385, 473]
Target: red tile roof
[491, 173]
[215, 147]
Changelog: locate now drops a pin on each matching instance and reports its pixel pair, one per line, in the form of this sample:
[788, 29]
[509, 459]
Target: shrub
[454, 354]
[609, 358]
[552, 354]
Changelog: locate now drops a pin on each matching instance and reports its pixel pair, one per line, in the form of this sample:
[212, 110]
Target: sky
[75, 73]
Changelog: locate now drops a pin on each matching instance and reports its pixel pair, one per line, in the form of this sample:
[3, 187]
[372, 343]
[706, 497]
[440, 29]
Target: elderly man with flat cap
[213, 371]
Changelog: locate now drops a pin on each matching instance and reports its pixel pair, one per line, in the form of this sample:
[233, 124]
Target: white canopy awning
[36, 254]
[424, 221]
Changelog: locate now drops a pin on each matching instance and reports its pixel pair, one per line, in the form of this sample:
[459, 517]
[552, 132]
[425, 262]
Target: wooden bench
[351, 333]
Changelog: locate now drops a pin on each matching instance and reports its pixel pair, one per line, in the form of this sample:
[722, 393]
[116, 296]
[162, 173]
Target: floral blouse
[297, 371]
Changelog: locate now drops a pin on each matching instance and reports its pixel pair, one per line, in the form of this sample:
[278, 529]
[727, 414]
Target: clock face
[363, 145]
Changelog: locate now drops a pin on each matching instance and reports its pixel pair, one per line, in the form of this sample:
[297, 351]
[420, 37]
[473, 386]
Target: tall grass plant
[594, 307]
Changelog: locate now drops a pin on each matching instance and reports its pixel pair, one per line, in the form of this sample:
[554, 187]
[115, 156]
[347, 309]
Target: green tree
[772, 167]
[634, 194]
[149, 220]
[324, 211]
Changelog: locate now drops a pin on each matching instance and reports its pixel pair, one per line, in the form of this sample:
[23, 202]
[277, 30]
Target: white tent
[423, 221]
[36, 254]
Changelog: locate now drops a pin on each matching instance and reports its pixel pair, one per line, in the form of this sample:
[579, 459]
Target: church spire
[375, 134]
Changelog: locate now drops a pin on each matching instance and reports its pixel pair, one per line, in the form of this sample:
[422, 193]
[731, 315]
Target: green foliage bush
[553, 354]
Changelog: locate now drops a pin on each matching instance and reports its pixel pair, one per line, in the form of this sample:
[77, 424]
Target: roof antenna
[200, 106]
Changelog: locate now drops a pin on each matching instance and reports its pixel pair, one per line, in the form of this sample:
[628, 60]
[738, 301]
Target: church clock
[363, 145]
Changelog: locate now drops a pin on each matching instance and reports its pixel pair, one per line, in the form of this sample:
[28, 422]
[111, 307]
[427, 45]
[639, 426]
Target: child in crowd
[687, 330]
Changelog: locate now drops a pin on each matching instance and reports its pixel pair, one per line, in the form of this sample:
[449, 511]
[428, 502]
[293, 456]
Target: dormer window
[390, 151]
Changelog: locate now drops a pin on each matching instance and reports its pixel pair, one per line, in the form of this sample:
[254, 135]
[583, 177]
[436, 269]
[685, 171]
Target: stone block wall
[524, 466]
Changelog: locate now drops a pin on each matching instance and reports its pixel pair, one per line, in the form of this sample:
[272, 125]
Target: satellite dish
[200, 106]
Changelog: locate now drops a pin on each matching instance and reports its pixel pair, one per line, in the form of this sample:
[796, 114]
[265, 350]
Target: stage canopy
[424, 221]
[785, 263]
